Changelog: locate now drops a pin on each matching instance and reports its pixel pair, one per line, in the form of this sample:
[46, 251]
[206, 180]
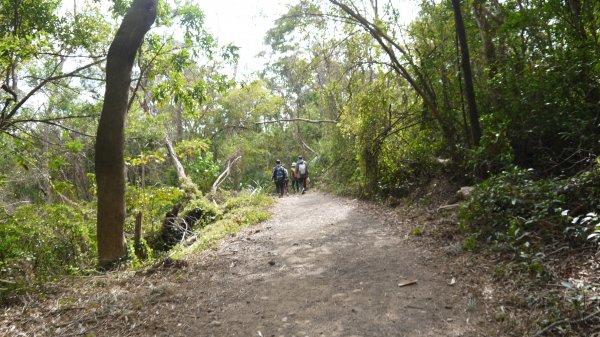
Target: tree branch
[306, 120]
[222, 177]
[13, 97]
[40, 85]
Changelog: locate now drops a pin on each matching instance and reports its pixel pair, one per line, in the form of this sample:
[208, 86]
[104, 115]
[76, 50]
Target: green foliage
[512, 206]
[138, 254]
[242, 211]
[417, 230]
[338, 168]
[246, 199]
[207, 210]
[409, 161]
[494, 154]
[203, 170]
[153, 202]
[40, 242]
[470, 243]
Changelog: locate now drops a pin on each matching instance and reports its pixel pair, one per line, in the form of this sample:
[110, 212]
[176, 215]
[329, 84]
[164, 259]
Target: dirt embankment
[323, 266]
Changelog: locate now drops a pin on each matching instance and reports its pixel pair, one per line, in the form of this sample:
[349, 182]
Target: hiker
[302, 171]
[279, 175]
[286, 182]
[295, 187]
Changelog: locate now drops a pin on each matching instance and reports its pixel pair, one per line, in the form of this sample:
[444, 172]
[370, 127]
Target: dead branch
[308, 147]
[178, 167]
[306, 120]
[565, 321]
[222, 177]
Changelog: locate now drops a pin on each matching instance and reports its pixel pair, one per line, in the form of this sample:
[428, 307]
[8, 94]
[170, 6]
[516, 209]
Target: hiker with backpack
[295, 185]
[287, 180]
[302, 171]
[279, 176]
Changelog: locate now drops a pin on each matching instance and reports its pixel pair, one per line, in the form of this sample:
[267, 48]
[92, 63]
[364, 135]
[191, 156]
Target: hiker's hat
[293, 164]
[278, 161]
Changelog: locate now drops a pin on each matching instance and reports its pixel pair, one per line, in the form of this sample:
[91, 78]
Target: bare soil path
[322, 266]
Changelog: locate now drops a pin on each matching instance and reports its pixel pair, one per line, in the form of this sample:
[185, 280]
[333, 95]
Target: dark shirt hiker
[279, 176]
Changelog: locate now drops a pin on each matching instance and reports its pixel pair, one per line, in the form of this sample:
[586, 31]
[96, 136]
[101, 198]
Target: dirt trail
[323, 266]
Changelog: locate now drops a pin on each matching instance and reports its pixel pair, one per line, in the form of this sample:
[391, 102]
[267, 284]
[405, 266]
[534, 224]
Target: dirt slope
[323, 266]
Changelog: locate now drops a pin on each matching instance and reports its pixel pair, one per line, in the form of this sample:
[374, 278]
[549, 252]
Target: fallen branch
[448, 207]
[222, 177]
[308, 147]
[565, 321]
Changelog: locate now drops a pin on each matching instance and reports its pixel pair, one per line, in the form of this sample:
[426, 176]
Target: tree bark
[370, 163]
[110, 164]
[485, 26]
[179, 170]
[468, 76]
[137, 237]
[222, 177]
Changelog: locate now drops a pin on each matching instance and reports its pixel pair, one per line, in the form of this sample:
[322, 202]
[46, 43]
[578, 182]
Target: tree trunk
[179, 170]
[466, 66]
[110, 165]
[485, 27]
[370, 162]
[179, 122]
[137, 237]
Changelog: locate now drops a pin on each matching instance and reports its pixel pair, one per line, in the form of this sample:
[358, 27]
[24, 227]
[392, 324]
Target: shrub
[154, 202]
[246, 198]
[195, 215]
[40, 242]
[512, 205]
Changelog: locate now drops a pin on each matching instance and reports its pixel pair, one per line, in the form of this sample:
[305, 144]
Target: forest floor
[322, 266]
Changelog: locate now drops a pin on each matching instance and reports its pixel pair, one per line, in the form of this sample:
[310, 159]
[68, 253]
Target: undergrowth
[42, 243]
[545, 231]
[238, 213]
[514, 207]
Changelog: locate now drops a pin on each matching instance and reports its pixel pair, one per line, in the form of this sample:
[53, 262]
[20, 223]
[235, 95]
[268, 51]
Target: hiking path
[322, 266]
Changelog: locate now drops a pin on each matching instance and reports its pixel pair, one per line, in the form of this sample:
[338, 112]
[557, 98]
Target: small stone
[271, 263]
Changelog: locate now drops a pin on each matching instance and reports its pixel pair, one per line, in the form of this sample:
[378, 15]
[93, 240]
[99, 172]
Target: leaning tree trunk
[110, 164]
[466, 66]
[179, 170]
